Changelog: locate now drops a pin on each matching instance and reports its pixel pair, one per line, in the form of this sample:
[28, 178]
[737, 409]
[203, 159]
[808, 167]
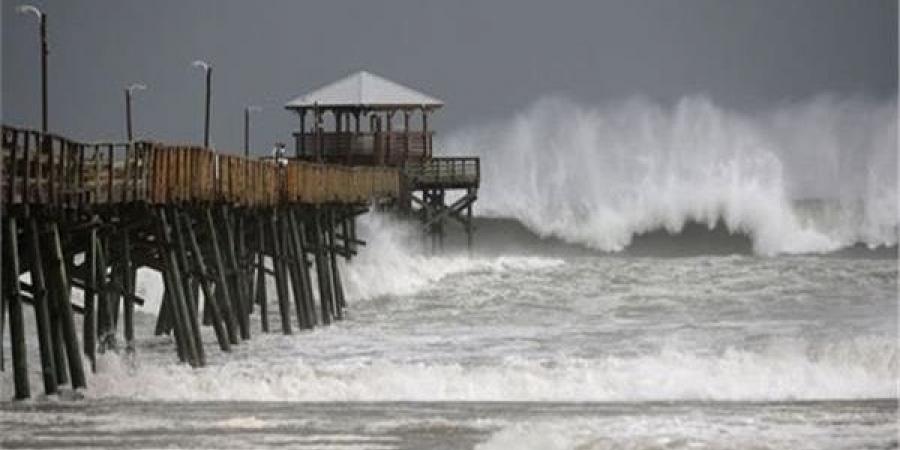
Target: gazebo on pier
[370, 122]
[365, 120]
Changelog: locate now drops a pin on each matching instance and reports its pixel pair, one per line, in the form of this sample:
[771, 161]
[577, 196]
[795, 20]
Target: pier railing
[52, 171]
[46, 169]
[367, 148]
[456, 172]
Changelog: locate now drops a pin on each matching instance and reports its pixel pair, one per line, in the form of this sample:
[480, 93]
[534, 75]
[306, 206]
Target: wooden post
[298, 265]
[164, 316]
[244, 265]
[355, 139]
[278, 266]
[222, 290]
[170, 318]
[210, 302]
[56, 327]
[129, 278]
[16, 321]
[60, 284]
[405, 135]
[317, 118]
[172, 311]
[469, 226]
[290, 264]
[2, 295]
[2, 300]
[183, 327]
[105, 329]
[300, 237]
[442, 204]
[191, 301]
[117, 278]
[89, 317]
[389, 117]
[41, 310]
[337, 289]
[426, 153]
[236, 281]
[301, 141]
[322, 271]
[261, 297]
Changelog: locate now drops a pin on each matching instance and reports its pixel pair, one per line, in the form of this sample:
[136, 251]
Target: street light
[247, 112]
[208, 68]
[128, 93]
[42, 18]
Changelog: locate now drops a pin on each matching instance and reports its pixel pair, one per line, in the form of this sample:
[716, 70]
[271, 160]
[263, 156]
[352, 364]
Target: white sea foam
[863, 367]
[693, 430]
[599, 175]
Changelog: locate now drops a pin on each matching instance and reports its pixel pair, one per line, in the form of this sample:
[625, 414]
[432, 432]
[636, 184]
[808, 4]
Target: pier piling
[16, 321]
[41, 310]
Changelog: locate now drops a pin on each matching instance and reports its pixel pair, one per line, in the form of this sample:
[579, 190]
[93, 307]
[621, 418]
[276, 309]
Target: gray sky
[485, 59]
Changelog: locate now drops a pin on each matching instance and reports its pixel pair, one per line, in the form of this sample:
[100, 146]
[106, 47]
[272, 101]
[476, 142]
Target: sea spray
[598, 176]
[394, 261]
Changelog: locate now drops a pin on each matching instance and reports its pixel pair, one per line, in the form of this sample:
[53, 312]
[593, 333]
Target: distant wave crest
[598, 176]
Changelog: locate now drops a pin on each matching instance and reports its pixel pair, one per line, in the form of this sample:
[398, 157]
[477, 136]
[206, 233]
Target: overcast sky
[486, 59]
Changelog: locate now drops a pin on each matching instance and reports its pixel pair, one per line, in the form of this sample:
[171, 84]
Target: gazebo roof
[364, 89]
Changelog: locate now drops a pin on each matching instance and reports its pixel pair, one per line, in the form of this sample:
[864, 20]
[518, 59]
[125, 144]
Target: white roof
[363, 89]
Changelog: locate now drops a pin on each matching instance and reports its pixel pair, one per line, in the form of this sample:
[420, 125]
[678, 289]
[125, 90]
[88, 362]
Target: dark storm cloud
[484, 58]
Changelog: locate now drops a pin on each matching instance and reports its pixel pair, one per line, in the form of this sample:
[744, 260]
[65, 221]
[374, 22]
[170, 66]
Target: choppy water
[564, 349]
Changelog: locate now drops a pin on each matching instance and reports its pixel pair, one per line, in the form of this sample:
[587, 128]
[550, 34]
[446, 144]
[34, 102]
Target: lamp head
[201, 64]
[136, 87]
[26, 9]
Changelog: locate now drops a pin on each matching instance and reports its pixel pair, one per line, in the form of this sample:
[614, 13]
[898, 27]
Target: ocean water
[740, 319]
[569, 350]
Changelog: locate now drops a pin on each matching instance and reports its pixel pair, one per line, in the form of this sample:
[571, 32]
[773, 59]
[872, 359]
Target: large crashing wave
[810, 177]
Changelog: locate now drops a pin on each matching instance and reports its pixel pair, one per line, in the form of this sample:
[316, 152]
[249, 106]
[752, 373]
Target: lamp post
[247, 112]
[129, 91]
[208, 69]
[42, 18]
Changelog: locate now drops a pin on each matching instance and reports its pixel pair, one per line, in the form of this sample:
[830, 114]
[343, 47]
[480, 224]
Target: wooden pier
[217, 226]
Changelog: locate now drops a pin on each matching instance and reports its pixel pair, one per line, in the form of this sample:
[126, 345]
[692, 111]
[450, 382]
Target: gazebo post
[389, 116]
[355, 140]
[426, 151]
[379, 139]
[320, 153]
[406, 134]
[301, 140]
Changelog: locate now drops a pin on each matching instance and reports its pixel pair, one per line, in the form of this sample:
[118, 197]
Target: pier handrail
[444, 171]
[48, 170]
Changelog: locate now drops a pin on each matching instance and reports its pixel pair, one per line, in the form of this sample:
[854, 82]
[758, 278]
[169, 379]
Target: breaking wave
[809, 177]
[394, 261]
